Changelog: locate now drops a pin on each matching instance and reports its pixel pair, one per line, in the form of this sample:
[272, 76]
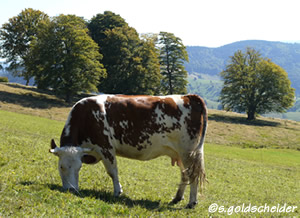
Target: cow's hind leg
[181, 188]
[112, 171]
[195, 173]
[193, 194]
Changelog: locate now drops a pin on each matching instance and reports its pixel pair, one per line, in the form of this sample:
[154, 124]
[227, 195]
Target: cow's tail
[196, 169]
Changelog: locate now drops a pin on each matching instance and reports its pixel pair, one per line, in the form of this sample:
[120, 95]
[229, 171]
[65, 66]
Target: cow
[137, 127]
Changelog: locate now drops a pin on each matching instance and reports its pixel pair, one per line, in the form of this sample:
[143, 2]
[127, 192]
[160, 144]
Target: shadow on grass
[36, 98]
[109, 198]
[29, 88]
[31, 100]
[241, 120]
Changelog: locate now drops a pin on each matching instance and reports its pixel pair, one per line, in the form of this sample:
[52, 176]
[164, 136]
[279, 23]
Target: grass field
[253, 163]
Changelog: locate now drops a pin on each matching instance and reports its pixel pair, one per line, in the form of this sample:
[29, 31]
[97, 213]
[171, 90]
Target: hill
[211, 61]
[205, 64]
[247, 163]
[225, 128]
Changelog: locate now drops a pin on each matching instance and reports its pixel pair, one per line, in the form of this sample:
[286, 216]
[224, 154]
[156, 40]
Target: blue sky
[210, 23]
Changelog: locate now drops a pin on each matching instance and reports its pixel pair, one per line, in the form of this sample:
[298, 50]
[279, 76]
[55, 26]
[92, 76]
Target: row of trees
[71, 55]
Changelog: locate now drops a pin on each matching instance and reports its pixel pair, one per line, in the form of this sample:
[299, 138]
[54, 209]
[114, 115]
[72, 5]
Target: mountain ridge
[205, 65]
[211, 61]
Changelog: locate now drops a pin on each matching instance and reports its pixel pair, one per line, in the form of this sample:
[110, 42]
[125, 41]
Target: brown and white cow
[137, 127]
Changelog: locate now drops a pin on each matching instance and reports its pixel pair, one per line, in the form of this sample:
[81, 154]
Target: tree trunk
[170, 85]
[251, 115]
[68, 97]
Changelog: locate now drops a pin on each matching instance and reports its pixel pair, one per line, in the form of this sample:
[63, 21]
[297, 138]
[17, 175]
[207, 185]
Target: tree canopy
[172, 57]
[15, 38]
[132, 64]
[70, 55]
[255, 85]
[65, 58]
[103, 22]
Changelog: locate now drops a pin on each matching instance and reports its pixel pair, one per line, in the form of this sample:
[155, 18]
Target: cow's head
[69, 164]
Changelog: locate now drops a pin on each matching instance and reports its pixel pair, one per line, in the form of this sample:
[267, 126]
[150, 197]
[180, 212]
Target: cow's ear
[53, 145]
[54, 149]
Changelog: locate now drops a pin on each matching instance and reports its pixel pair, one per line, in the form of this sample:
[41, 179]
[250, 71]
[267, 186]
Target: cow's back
[139, 127]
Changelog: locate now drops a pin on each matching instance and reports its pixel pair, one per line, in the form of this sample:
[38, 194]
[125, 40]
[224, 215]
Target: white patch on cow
[124, 124]
[100, 100]
[67, 125]
[180, 103]
[82, 101]
[97, 115]
[185, 113]
[163, 119]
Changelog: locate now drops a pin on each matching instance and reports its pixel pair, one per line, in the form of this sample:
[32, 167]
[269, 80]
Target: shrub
[3, 79]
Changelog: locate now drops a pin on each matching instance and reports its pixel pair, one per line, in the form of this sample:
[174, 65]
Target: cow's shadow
[109, 198]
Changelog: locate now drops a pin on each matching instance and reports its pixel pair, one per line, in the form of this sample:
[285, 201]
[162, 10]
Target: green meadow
[253, 164]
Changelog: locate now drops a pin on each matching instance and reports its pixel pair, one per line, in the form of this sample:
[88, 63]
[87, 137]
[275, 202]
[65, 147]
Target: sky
[210, 23]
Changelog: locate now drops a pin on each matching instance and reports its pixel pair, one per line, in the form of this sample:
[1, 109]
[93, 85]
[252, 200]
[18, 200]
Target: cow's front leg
[112, 171]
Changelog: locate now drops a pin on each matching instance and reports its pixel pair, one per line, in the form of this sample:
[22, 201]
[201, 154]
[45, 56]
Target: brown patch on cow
[84, 126]
[194, 120]
[88, 159]
[170, 108]
[139, 114]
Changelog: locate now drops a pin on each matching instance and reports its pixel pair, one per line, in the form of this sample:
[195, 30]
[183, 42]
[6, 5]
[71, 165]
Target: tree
[103, 22]
[255, 85]
[150, 61]
[16, 37]
[132, 64]
[64, 57]
[173, 54]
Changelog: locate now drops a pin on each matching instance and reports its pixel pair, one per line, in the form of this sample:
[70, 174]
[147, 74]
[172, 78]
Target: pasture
[255, 163]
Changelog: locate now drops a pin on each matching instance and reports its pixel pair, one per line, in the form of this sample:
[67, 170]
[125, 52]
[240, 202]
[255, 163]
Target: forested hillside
[211, 61]
[205, 64]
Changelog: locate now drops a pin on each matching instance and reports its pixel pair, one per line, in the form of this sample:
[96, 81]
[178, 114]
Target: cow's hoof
[117, 194]
[191, 205]
[176, 200]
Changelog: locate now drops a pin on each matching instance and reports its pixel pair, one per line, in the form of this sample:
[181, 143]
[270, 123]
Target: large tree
[103, 22]
[64, 57]
[16, 36]
[173, 54]
[255, 85]
[132, 64]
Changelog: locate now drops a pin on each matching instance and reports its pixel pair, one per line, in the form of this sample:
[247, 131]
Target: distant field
[247, 163]
[210, 88]
[289, 115]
